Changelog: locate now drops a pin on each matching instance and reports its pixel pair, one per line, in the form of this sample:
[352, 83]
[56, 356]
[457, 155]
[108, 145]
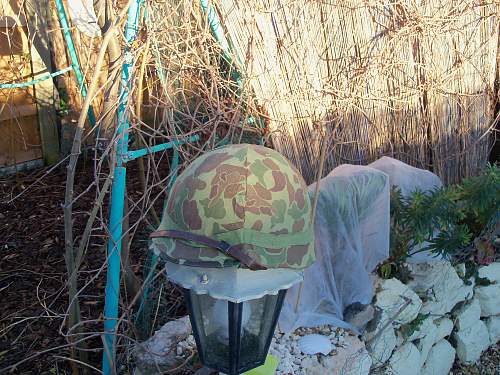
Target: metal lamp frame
[235, 313]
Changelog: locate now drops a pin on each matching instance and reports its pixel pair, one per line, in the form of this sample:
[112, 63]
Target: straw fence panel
[412, 79]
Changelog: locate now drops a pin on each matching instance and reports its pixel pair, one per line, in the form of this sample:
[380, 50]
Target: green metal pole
[118, 197]
[63, 19]
[220, 36]
[35, 81]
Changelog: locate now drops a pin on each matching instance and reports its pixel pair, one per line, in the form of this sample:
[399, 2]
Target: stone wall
[420, 328]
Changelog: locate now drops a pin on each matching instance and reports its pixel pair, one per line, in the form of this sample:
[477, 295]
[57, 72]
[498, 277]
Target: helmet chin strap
[234, 251]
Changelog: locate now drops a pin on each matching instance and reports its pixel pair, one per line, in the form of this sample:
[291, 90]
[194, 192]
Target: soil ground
[33, 273]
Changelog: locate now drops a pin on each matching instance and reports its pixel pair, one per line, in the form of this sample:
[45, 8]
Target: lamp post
[235, 235]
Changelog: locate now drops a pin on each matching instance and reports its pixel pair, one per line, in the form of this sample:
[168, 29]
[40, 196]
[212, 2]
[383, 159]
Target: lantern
[233, 312]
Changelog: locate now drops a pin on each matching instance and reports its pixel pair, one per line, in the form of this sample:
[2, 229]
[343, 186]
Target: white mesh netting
[352, 230]
[408, 179]
[352, 237]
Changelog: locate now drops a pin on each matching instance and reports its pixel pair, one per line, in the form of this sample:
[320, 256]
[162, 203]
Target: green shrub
[442, 220]
[479, 198]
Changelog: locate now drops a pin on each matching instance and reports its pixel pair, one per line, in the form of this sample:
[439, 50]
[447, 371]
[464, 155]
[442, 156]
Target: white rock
[426, 326]
[393, 295]
[471, 342]
[400, 339]
[441, 282]
[468, 315]
[440, 359]
[361, 365]
[426, 275]
[353, 359]
[191, 341]
[381, 348]
[404, 361]
[444, 327]
[490, 272]
[425, 335]
[358, 315]
[489, 299]
[493, 325]
[444, 304]
[161, 349]
[311, 366]
[425, 344]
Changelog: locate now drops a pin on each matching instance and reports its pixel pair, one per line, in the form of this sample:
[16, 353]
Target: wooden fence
[28, 127]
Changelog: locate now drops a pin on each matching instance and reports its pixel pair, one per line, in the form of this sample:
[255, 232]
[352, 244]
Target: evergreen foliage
[442, 220]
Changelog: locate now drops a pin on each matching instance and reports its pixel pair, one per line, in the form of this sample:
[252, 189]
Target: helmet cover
[241, 194]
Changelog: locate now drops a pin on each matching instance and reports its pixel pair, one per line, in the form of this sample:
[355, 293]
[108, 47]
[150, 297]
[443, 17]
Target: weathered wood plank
[45, 93]
[19, 129]
[17, 111]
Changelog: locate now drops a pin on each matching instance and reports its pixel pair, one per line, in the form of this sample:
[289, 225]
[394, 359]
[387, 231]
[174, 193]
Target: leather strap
[234, 251]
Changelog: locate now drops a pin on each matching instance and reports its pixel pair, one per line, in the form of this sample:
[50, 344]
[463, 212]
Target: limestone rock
[351, 359]
[442, 303]
[404, 361]
[444, 327]
[493, 325]
[311, 366]
[393, 295]
[358, 315]
[161, 349]
[424, 275]
[425, 344]
[489, 299]
[400, 339]
[440, 359]
[380, 347]
[426, 326]
[471, 342]
[490, 272]
[468, 315]
[440, 281]
[428, 333]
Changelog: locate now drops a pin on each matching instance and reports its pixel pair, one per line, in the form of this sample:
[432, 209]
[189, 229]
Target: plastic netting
[352, 237]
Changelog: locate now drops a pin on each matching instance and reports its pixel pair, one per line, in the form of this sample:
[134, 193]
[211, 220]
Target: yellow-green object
[268, 368]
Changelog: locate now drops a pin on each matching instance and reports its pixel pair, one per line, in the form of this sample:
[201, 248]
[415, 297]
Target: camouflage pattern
[241, 194]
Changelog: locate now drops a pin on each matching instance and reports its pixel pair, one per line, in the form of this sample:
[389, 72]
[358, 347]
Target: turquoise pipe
[218, 31]
[220, 37]
[131, 155]
[112, 292]
[174, 167]
[75, 64]
[35, 81]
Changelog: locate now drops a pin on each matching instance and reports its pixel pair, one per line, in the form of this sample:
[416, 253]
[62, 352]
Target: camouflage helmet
[244, 195]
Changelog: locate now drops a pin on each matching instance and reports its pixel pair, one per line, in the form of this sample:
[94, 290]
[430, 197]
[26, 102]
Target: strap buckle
[224, 247]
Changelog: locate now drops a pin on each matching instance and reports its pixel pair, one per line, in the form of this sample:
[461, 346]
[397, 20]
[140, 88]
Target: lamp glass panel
[209, 319]
[258, 324]
[251, 325]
